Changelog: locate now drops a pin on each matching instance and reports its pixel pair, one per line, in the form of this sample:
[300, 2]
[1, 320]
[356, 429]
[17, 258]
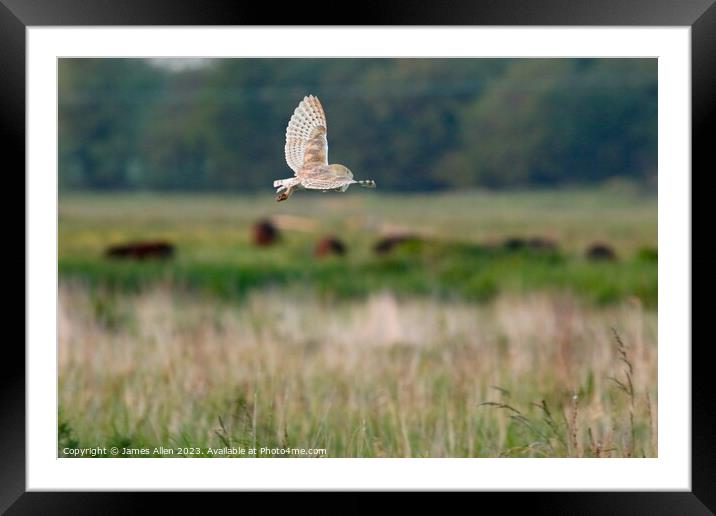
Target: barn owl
[307, 154]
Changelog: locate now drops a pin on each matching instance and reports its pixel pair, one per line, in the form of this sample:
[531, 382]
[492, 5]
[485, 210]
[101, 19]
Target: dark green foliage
[104, 107]
[648, 254]
[558, 121]
[410, 124]
[65, 435]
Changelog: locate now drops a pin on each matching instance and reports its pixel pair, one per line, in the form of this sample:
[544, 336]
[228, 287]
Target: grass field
[452, 345]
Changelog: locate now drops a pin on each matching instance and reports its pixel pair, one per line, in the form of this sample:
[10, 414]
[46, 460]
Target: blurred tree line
[410, 124]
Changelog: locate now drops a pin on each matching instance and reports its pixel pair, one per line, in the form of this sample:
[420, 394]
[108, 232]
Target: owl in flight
[307, 155]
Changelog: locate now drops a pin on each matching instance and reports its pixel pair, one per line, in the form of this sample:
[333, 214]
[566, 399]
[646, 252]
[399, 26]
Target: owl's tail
[366, 183]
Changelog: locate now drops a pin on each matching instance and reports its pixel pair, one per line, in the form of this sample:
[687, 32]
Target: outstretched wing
[306, 135]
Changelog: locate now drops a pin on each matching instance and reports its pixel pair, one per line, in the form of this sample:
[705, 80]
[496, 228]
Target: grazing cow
[388, 244]
[533, 244]
[151, 250]
[600, 252]
[330, 246]
[264, 233]
[514, 243]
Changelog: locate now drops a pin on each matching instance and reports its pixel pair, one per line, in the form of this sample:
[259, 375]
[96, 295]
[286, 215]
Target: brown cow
[329, 246]
[265, 233]
[150, 250]
[600, 252]
[532, 244]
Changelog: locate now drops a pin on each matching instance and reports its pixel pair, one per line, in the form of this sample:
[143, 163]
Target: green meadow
[459, 252]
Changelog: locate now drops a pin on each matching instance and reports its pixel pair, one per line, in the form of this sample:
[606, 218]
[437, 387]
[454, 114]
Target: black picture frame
[17, 15]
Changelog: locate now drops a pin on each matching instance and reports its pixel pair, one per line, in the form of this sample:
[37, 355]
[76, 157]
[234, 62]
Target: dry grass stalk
[378, 377]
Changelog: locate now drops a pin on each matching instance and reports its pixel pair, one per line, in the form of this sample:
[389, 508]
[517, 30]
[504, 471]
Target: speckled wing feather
[306, 141]
[327, 178]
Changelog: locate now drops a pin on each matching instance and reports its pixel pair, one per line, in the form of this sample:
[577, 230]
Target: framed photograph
[485, 286]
